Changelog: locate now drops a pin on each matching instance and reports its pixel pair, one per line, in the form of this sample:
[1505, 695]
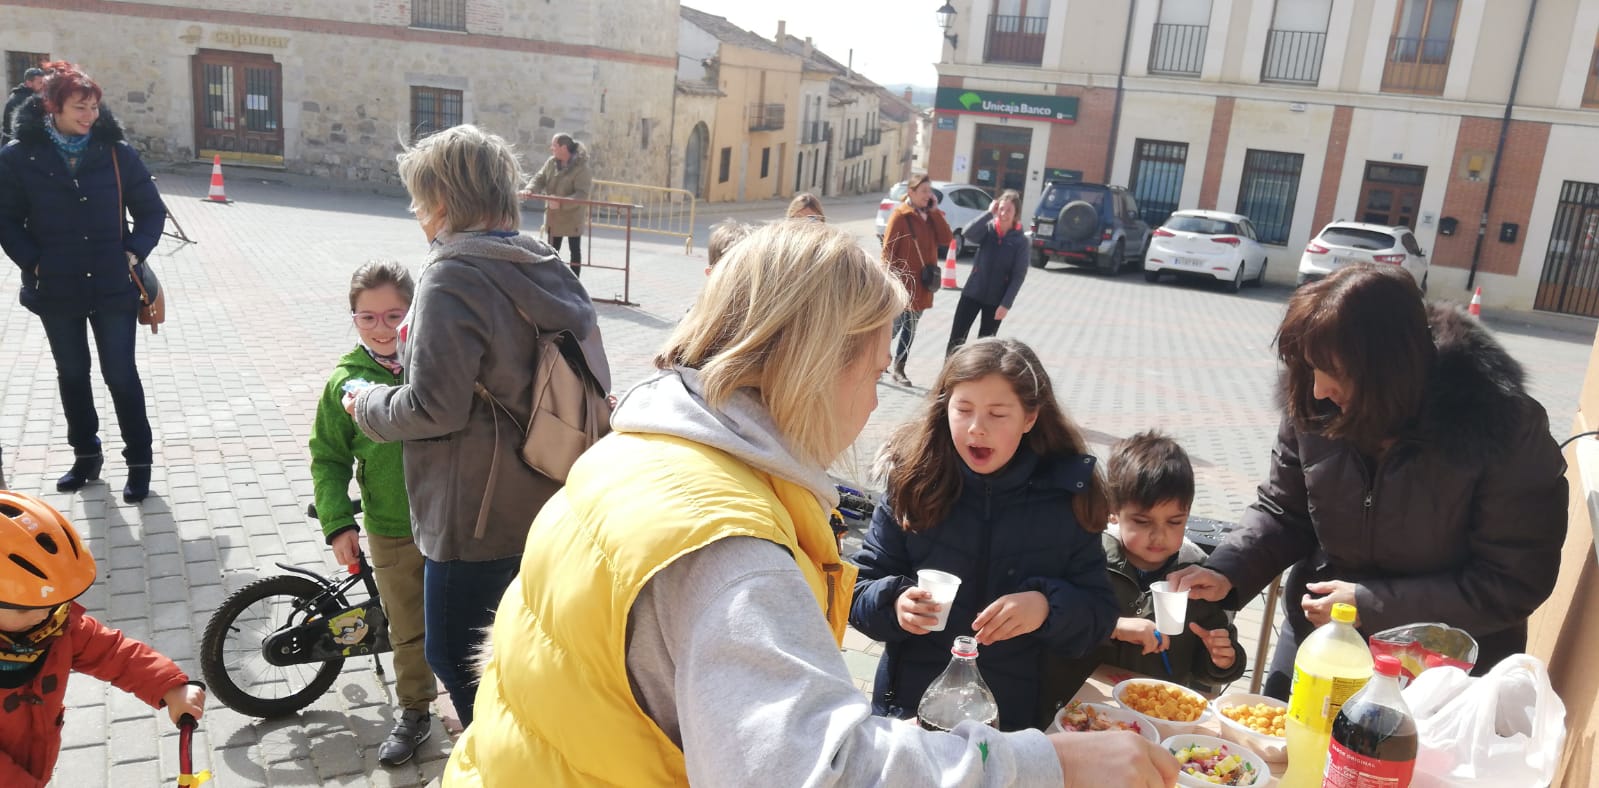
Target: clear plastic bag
[1506, 728]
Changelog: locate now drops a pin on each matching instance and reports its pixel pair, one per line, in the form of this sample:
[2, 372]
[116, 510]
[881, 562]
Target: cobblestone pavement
[258, 315]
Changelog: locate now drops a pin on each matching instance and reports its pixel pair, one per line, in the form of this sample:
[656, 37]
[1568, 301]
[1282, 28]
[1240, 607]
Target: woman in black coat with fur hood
[1413, 476]
[64, 182]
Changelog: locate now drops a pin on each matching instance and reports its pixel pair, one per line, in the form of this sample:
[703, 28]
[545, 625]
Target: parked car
[1088, 224]
[1208, 244]
[960, 202]
[1342, 243]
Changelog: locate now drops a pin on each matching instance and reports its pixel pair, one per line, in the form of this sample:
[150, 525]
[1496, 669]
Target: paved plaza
[258, 313]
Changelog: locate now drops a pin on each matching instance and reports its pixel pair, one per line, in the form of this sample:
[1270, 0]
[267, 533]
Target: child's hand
[1140, 632]
[1218, 643]
[185, 699]
[1011, 615]
[916, 610]
[349, 403]
[346, 546]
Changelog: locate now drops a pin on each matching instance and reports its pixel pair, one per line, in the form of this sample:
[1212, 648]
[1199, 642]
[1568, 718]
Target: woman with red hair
[66, 184]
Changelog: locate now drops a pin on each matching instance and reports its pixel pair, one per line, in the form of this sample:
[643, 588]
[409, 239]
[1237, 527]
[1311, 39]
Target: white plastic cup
[942, 585]
[1171, 608]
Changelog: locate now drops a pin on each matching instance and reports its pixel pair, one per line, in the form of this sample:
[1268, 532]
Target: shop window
[1267, 192]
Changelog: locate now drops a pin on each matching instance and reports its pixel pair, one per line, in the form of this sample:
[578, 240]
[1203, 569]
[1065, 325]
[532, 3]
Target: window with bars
[1267, 192]
[19, 62]
[1157, 178]
[433, 110]
[439, 14]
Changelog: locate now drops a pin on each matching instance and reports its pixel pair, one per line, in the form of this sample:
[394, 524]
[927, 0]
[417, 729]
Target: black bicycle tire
[222, 685]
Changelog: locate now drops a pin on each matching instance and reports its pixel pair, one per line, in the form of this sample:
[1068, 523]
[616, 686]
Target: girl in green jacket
[380, 296]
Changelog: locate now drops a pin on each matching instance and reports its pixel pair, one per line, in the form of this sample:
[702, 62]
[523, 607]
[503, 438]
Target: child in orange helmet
[45, 636]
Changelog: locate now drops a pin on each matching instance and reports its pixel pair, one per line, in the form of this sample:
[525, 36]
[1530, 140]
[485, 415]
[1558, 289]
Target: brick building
[330, 88]
[1299, 112]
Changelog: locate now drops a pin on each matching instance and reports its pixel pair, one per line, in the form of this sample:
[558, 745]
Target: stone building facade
[333, 87]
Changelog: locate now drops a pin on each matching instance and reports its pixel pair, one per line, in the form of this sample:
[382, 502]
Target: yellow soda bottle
[1332, 664]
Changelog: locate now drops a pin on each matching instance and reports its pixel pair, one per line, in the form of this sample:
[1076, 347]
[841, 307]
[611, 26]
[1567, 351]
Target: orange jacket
[31, 716]
[910, 242]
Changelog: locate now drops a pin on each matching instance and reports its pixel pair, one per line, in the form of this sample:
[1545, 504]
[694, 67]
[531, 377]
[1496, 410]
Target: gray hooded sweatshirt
[463, 328]
[728, 653]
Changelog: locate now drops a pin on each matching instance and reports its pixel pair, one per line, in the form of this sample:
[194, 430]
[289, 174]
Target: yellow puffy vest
[554, 708]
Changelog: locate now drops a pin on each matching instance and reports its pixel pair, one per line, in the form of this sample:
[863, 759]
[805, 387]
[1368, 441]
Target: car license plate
[1046, 228]
[1188, 262]
[1343, 260]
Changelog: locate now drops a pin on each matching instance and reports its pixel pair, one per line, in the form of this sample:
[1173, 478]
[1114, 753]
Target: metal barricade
[658, 210]
[621, 211]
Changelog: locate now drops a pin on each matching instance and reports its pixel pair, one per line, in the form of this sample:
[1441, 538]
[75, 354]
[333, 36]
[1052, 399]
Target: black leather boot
[85, 469]
[138, 487]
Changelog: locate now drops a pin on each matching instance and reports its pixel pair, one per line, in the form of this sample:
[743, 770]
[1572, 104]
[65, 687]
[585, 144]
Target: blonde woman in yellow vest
[680, 604]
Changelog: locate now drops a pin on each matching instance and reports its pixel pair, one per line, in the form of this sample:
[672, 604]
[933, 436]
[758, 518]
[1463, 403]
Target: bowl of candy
[1206, 760]
[1172, 707]
[1087, 717]
[1255, 721]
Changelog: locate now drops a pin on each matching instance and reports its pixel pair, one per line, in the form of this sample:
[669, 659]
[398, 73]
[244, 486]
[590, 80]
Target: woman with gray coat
[997, 270]
[472, 497]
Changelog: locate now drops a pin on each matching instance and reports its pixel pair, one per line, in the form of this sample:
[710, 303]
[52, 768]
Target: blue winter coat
[1000, 264]
[62, 229]
[1008, 532]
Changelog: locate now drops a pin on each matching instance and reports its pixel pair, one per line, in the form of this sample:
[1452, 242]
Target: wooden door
[1391, 194]
[238, 107]
[999, 159]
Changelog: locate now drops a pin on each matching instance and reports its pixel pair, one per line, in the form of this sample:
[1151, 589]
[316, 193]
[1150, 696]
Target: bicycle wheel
[231, 658]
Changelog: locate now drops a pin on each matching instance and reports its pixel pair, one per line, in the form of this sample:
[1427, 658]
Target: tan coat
[575, 181]
[909, 242]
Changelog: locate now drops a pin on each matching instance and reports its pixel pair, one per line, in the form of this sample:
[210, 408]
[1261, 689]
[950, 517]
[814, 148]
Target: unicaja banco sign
[1054, 109]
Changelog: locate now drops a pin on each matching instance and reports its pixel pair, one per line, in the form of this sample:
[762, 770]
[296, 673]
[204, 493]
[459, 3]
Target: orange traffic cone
[216, 194]
[949, 282]
[1476, 304]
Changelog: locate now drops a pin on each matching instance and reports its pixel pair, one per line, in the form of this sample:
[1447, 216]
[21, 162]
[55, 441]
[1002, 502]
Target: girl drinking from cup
[992, 484]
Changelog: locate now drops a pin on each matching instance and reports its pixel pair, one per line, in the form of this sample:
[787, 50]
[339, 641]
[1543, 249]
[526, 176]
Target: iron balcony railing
[874, 136]
[766, 117]
[1015, 39]
[812, 133]
[1417, 65]
[1293, 56]
[854, 147]
[1178, 49]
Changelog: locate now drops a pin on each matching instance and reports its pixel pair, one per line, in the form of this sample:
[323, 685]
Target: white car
[960, 202]
[1210, 244]
[1344, 243]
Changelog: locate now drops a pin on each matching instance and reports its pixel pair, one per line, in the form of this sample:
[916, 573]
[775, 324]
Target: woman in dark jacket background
[1413, 476]
[60, 222]
[997, 270]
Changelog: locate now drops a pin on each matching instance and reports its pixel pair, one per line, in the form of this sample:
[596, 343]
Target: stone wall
[602, 71]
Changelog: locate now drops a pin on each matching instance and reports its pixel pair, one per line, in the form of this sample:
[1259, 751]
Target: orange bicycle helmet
[43, 563]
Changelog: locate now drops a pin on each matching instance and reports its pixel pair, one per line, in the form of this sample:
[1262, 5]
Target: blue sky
[894, 40]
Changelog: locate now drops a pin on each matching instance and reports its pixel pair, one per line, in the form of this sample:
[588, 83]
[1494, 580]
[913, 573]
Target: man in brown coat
[915, 232]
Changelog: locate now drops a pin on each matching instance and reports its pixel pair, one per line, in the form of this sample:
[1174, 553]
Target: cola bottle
[1374, 736]
[959, 693]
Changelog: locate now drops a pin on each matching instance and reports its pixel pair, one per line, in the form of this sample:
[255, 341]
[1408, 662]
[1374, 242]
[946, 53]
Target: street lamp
[946, 20]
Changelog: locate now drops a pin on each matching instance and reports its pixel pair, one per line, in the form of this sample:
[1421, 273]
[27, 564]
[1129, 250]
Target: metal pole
[1116, 113]
[1499, 151]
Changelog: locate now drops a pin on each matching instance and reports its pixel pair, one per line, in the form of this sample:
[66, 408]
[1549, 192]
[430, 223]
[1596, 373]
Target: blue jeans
[904, 334]
[114, 335]
[459, 599]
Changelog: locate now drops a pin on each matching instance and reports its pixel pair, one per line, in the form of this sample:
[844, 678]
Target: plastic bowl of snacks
[1084, 717]
[1204, 761]
[1255, 721]
[1172, 707]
